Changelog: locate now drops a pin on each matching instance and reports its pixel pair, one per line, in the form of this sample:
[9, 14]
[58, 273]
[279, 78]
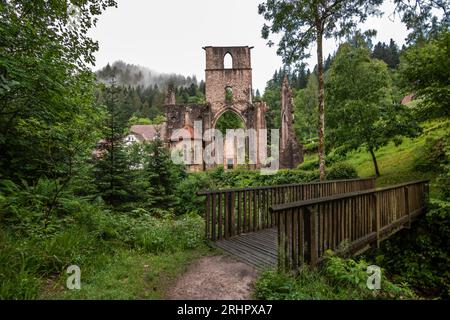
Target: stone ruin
[229, 88]
[291, 151]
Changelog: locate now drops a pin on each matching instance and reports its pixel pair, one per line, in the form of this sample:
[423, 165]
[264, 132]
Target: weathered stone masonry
[218, 80]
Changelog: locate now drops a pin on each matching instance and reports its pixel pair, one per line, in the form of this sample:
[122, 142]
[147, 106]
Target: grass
[126, 275]
[396, 163]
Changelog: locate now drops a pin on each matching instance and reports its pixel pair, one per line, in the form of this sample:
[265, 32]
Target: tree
[362, 112]
[47, 119]
[272, 96]
[425, 71]
[422, 17]
[229, 120]
[305, 103]
[388, 53]
[162, 176]
[112, 169]
[305, 22]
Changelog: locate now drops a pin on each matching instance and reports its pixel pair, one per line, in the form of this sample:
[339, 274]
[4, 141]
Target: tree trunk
[375, 164]
[321, 126]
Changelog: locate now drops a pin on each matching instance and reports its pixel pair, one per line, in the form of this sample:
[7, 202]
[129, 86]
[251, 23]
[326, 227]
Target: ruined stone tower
[291, 152]
[234, 80]
[227, 88]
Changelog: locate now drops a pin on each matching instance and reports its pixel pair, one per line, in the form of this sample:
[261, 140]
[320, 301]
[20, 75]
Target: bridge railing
[231, 212]
[306, 229]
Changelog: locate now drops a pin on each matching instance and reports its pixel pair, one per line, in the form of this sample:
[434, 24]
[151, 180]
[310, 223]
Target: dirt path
[215, 278]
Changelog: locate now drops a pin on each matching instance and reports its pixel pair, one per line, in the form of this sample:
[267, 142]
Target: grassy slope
[128, 274]
[396, 163]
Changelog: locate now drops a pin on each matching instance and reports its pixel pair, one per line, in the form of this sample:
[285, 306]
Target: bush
[242, 178]
[342, 170]
[35, 246]
[25, 261]
[309, 165]
[432, 156]
[337, 278]
[169, 234]
[186, 194]
[311, 147]
[420, 256]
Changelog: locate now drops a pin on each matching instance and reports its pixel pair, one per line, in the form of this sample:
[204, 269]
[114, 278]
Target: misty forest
[74, 192]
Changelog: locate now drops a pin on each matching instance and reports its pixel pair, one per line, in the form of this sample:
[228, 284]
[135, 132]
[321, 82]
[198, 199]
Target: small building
[147, 132]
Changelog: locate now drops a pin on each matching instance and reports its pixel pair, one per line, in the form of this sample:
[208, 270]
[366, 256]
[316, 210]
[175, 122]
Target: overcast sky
[168, 35]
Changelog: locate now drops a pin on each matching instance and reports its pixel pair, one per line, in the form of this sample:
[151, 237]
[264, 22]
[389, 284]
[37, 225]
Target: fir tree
[162, 176]
[112, 174]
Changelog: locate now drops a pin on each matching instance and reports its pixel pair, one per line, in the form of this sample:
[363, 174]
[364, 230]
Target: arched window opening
[228, 61]
[234, 151]
[229, 94]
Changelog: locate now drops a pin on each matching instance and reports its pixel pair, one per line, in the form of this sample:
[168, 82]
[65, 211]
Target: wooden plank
[314, 235]
[214, 217]
[233, 214]
[244, 228]
[251, 257]
[227, 214]
[239, 213]
[253, 246]
[219, 218]
[207, 217]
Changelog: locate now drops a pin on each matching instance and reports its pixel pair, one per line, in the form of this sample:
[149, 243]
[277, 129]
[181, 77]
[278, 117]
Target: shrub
[309, 165]
[337, 278]
[311, 147]
[432, 156]
[342, 170]
[170, 235]
[242, 178]
[186, 194]
[420, 256]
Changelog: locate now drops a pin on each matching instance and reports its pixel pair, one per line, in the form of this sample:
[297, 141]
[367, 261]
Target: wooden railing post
[207, 216]
[408, 212]
[377, 219]
[281, 241]
[313, 234]
[232, 212]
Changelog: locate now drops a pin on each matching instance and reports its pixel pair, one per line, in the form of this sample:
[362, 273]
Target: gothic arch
[225, 109]
[228, 60]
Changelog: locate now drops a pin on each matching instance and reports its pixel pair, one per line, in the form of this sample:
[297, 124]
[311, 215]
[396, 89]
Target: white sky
[168, 35]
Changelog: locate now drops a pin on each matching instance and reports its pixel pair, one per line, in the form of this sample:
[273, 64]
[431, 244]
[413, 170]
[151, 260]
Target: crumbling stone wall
[218, 79]
[291, 151]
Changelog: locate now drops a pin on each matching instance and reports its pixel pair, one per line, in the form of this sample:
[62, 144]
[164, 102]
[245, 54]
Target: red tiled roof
[408, 99]
[149, 132]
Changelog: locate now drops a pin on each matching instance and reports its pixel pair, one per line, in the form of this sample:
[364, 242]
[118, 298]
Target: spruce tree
[112, 173]
[162, 175]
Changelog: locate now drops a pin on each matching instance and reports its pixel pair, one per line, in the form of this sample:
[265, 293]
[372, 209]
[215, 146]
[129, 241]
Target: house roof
[148, 132]
[408, 98]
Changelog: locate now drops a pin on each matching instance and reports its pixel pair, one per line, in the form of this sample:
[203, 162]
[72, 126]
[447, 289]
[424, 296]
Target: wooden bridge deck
[258, 249]
[241, 222]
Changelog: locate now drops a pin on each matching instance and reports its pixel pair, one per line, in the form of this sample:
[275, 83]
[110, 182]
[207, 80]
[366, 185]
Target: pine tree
[162, 176]
[112, 174]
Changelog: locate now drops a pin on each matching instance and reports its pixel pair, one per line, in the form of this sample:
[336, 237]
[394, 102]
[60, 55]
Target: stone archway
[224, 110]
[235, 148]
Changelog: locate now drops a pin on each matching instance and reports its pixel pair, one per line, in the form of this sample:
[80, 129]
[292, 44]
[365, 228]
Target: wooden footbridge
[289, 225]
